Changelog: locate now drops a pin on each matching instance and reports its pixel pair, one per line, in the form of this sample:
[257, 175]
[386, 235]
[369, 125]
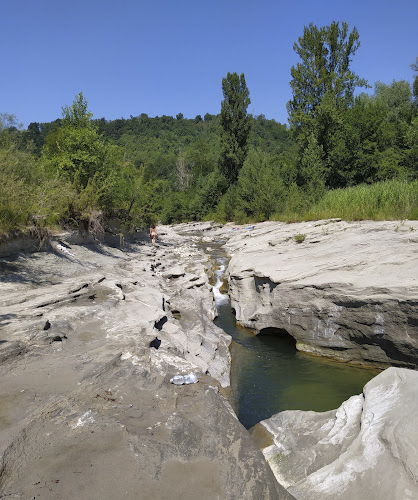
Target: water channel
[269, 375]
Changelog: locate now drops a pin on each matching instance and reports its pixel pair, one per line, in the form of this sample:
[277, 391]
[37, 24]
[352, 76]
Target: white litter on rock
[62, 248]
[190, 378]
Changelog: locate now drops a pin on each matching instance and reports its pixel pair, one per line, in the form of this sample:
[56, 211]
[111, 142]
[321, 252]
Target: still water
[269, 375]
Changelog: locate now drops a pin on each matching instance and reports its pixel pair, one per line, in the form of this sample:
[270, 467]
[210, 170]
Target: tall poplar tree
[414, 66]
[235, 125]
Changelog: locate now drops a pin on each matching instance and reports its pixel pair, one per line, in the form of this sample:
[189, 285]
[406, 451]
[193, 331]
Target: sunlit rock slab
[348, 291]
[366, 449]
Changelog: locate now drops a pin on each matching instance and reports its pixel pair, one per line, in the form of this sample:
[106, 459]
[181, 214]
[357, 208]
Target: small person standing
[153, 233]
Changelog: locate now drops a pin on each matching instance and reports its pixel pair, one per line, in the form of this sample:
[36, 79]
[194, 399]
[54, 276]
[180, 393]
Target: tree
[414, 68]
[182, 171]
[201, 158]
[33, 134]
[312, 167]
[235, 125]
[75, 148]
[260, 188]
[397, 97]
[323, 86]
[77, 115]
[8, 121]
[326, 55]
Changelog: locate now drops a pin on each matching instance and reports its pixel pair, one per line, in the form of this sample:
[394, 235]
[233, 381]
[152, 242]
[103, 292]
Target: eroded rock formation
[91, 335]
[347, 291]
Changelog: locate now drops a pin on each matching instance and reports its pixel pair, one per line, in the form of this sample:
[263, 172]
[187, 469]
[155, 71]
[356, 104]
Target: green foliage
[389, 200]
[206, 195]
[376, 141]
[228, 207]
[312, 167]
[260, 188]
[397, 99]
[265, 189]
[175, 208]
[75, 148]
[299, 238]
[414, 67]
[324, 72]
[235, 125]
[411, 154]
[9, 122]
[323, 89]
[344, 141]
[77, 115]
[28, 197]
[144, 170]
[102, 176]
[14, 191]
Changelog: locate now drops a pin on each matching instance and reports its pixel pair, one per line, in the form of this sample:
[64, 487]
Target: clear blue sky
[164, 57]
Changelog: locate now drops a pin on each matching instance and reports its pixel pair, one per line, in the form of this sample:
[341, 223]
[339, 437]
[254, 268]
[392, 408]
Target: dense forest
[345, 153]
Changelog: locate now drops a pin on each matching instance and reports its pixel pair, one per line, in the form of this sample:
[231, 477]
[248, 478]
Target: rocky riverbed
[348, 291]
[87, 409]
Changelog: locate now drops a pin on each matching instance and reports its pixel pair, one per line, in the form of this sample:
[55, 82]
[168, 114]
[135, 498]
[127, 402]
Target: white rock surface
[367, 449]
[348, 291]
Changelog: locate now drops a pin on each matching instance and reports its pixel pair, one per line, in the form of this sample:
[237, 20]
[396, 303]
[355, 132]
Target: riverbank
[345, 290]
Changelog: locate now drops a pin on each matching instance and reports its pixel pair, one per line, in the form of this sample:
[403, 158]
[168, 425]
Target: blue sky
[164, 57]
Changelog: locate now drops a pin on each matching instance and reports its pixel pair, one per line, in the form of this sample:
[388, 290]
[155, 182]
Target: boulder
[367, 449]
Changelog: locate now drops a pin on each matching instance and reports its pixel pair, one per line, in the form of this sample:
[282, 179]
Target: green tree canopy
[324, 69]
[323, 90]
[235, 125]
[414, 67]
[75, 147]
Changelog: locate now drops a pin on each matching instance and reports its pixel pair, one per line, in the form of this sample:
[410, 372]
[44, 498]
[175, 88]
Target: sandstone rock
[367, 449]
[349, 291]
[93, 414]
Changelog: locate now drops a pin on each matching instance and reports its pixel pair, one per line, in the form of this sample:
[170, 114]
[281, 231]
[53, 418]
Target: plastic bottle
[190, 378]
[177, 379]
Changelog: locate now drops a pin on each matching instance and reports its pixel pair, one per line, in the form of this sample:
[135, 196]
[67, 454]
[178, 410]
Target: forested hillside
[343, 148]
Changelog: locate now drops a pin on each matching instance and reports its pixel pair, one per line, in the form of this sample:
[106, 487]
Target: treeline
[137, 170]
[339, 148]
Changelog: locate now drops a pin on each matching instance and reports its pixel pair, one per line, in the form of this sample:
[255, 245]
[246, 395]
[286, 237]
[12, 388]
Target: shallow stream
[269, 375]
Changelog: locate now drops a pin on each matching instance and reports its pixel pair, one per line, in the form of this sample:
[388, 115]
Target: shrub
[300, 238]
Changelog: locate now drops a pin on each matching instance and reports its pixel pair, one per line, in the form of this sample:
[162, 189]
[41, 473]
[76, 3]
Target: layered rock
[367, 449]
[347, 290]
[86, 404]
